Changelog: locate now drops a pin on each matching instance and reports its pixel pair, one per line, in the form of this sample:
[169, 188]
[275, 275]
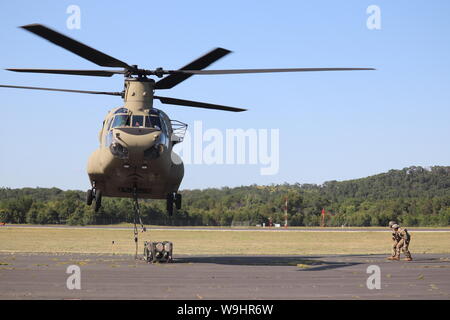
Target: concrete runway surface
[43, 276]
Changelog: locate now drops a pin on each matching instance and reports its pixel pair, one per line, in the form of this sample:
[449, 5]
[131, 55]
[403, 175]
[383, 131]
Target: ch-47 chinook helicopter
[135, 157]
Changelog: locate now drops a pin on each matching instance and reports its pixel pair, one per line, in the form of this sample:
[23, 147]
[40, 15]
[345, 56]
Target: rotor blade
[97, 73]
[188, 103]
[198, 64]
[63, 90]
[237, 71]
[76, 47]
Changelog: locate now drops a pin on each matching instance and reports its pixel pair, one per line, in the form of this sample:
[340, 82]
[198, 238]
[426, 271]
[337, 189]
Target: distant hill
[408, 183]
[413, 196]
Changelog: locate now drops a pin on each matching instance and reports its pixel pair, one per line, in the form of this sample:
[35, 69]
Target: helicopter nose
[137, 141]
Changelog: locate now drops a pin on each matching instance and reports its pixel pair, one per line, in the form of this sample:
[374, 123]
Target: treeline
[413, 196]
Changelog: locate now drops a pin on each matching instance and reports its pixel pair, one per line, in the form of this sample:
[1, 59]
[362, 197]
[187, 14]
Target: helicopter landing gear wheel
[89, 197]
[178, 201]
[170, 200]
[98, 200]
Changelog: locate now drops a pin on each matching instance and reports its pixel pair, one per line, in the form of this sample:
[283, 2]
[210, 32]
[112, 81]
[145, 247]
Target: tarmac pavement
[43, 276]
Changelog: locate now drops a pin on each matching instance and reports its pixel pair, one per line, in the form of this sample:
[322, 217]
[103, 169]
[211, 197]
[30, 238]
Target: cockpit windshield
[138, 121]
[121, 120]
[153, 121]
[128, 120]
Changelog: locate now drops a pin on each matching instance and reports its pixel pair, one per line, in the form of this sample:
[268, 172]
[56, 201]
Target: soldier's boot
[391, 258]
[397, 258]
[408, 256]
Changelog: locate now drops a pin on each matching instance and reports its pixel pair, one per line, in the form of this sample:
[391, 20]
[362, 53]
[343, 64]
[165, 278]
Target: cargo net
[178, 130]
[158, 251]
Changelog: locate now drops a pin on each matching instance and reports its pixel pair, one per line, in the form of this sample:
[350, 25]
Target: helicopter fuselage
[135, 154]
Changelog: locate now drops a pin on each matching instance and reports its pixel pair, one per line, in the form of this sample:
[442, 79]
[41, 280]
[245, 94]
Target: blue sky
[333, 126]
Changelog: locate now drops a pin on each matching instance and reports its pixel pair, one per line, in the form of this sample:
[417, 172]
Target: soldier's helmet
[391, 223]
[395, 226]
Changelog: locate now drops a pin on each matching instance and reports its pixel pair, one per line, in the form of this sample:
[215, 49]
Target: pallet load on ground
[158, 251]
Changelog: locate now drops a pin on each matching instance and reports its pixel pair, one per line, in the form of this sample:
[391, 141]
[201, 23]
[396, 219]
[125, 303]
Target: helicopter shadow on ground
[304, 263]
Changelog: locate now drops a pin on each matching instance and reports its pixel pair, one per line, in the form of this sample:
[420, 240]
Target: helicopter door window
[109, 139]
[138, 121]
[108, 125]
[164, 126]
[121, 120]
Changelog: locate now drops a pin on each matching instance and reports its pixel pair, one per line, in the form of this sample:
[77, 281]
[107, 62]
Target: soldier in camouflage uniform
[403, 243]
[395, 240]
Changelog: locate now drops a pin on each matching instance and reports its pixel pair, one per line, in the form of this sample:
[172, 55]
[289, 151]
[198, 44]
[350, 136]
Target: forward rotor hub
[134, 70]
